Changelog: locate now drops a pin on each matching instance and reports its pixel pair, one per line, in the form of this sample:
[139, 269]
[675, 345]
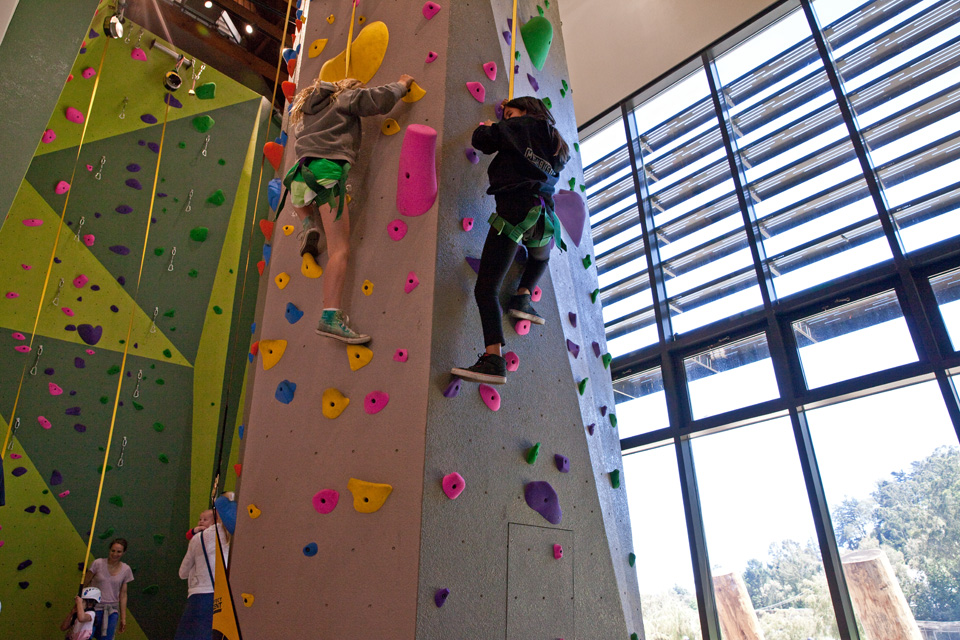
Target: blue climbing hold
[289, 54]
[281, 139]
[250, 357]
[298, 48]
[273, 193]
[253, 327]
[293, 313]
[285, 391]
[299, 14]
[240, 431]
[227, 510]
[310, 550]
[267, 252]
[474, 264]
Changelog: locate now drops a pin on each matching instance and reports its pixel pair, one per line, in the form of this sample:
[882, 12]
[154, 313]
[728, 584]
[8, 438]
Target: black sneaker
[310, 242]
[490, 368]
[520, 307]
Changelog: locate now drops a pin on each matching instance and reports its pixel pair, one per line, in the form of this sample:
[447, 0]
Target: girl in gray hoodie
[325, 118]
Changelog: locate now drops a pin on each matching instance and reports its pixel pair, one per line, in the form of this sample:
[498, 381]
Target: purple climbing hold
[56, 478]
[142, 143]
[133, 183]
[533, 82]
[441, 596]
[70, 327]
[114, 308]
[571, 212]
[573, 348]
[453, 389]
[498, 111]
[591, 427]
[94, 287]
[19, 471]
[161, 195]
[49, 371]
[121, 280]
[120, 249]
[562, 462]
[596, 348]
[153, 146]
[80, 428]
[471, 154]
[173, 102]
[133, 167]
[124, 209]
[474, 264]
[25, 584]
[44, 509]
[90, 334]
[507, 37]
[603, 410]
[72, 411]
[149, 119]
[93, 34]
[23, 565]
[31, 509]
[79, 363]
[541, 497]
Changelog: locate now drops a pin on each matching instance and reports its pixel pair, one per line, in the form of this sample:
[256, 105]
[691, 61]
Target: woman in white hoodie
[198, 569]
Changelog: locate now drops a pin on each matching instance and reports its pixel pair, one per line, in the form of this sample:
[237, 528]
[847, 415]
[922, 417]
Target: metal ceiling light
[113, 25]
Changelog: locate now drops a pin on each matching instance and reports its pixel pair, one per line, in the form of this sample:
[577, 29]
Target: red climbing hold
[291, 66]
[237, 468]
[255, 348]
[260, 266]
[266, 226]
[273, 152]
[289, 90]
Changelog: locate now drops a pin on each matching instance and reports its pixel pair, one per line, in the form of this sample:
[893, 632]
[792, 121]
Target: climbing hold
[287, 229]
[88, 73]
[308, 267]
[285, 391]
[330, 19]
[417, 173]
[271, 351]
[533, 453]
[490, 68]
[453, 389]
[16, 335]
[607, 359]
[397, 229]
[490, 397]
[116, 500]
[291, 66]
[557, 552]
[48, 136]
[203, 123]
[80, 281]
[414, 93]
[594, 295]
[472, 155]
[596, 348]
[400, 355]
[467, 224]
[536, 294]
[255, 348]
[591, 427]
[358, 356]
[587, 261]
[19, 471]
[74, 115]
[389, 127]
[366, 55]
[603, 410]
[273, 152]
[138, 54]
[44, 422]
[562, 462]
[55, 389]
[289, 90]
[431, 56]
[217, 198]
[615, 478]
[613, 421]
[573, 319]
[430, 9]
[292, 313]
[62, 187]
[274, 188]
[90, 334]
[206, 91]
[12, 294]
[32, 222]
[547, 102]
[163, 458]
[261, 264]
[541, 497]
[573, 348]
[368, 497]
[326, 500]
[441, 595]
[89, 239]
[23, 348]
[199, 233]
[533, 82]
[477, 91]
[375, 402]
[310, 550]
[513, 360]
[334, 403]
[282, 280]
[453, 485]
[120, 250]
[412, 282]
[367, 287]
[537, 36]
[522, 327]
[632, 558]
[247, 599]
[316, 47]
[582, 385]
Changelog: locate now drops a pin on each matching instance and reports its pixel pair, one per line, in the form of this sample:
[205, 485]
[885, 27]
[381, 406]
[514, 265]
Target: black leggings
[498, 254]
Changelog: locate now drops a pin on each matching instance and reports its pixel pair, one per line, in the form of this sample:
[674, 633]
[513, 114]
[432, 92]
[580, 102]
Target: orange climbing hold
[266, 226]
[273, 152]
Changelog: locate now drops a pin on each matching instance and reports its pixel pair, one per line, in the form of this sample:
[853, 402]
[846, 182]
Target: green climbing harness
[523, 230]
[326, 178]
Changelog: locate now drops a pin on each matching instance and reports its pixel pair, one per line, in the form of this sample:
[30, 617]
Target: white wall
[7, 8]
[615, 47]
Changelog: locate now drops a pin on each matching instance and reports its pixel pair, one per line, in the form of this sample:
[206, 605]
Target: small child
[80, 620]
[206, 520]
[530, 154]
[326, 120]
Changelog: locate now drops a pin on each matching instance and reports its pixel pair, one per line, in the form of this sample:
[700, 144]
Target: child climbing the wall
[79, 623]
[530, 154]
[326, 120]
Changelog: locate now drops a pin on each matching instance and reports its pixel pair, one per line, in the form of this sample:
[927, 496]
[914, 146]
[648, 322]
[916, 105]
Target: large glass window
[641, 403]
[730, 376]
[946, 288]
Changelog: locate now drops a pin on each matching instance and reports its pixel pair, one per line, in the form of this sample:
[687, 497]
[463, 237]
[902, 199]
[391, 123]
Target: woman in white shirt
[198, 569]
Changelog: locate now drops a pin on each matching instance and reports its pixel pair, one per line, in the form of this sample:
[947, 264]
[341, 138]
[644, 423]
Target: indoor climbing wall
[181, 310]
[384, 498]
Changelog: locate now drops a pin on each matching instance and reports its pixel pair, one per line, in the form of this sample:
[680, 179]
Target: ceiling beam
[255, 19]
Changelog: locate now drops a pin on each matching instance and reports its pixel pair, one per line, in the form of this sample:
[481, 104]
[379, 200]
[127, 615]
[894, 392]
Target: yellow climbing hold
[334, 403]
[316, 47]
[330, 18]
[366, 55]
[247, 599]
[349, 198]
[271, 351]
[309, 266]
[254, 512]
[361, 19]
[389, 127]
[359, 356]
[287, 229]
[415, 93]
[282, 280]
[367, 287]
[368, 497]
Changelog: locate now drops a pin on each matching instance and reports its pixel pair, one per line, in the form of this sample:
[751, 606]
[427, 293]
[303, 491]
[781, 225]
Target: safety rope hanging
[513, 50]
[353, 15]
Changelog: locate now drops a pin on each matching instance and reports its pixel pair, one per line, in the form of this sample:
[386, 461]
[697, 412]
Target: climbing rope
[53, 253]
[513, 50]
[353, 15]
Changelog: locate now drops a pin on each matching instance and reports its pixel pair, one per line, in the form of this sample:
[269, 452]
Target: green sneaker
[333, 324]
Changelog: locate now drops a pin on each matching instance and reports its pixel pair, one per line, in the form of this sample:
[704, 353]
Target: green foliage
[671, 615]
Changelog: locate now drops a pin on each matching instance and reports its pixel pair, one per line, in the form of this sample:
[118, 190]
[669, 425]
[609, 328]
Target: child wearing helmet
[80, 620]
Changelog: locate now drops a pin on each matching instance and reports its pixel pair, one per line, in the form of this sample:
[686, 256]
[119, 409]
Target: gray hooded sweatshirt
[332, 130]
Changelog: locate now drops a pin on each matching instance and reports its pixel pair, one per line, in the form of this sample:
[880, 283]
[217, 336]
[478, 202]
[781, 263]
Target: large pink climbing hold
[32, 222]
[417, 174]
[55, 389]
[62, 187]
[430, 9]
[74, 115]
[431, 56]
[401, 355]
[513, 360]
[80, 281]
[44, 422]
[397, 229]
[412, 282]
[48, 136]
[375, 402]
[522, 327]
[467, 224]
[477, 91]
[326, 500]
[490, 397]
[490, 69]
[89, 239]
[536, 294]
[22, 348]
[453, 485]
[88, 73]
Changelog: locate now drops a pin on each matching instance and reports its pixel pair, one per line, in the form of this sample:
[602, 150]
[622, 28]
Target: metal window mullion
[949, 392]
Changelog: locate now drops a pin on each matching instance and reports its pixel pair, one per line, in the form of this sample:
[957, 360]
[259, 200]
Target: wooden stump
[738, 620]
[881, 608]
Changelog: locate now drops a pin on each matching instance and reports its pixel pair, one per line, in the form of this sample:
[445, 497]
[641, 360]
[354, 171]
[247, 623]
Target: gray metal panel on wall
[540, 586]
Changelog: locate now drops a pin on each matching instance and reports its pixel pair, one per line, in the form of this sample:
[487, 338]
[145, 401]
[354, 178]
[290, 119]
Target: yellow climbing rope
[353, 14]
[513, 49]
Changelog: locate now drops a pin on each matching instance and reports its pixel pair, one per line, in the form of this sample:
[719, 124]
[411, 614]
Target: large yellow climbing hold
[282, 280]
[253, 511]
[368, 497]
[334, 403]
[247, 599]
[389, 127]
[359, 356]
[309, 266]
[316, 47]
[366, 55]
[287, 229]
[415, 93]
[271, 351]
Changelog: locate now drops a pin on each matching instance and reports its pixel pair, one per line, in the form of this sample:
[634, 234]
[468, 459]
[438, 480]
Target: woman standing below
[111, 576]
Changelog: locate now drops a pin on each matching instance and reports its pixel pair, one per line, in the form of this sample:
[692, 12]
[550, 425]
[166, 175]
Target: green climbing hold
[106, 534]
[516, 55]
[537, 37]
[153, 366]
[45, 491]
[532, 453]
[221, 162]
[217, 198]
[607, 359]
[576, 147]
[104, 399]
[100, 468]
[206, 91]
[152, 590]
[199, 233]
[158, 538]
[167, 353]
[117, 500]
[540, 10]
[587, 261]
[113, 370]
[634, 636]
[546, 3]
[170, 314]
[572, 182]
[158, 426]
[563, 93]
[217, 310]
[203, 123]
[547, 102]
[182, 145]
[582, 385]
[613, 421]
[158, 251]
[137, 405]
[583, 188]
[193, 273]
[632, 559]
[160, 381]
[101, 449]
[163, 458]
[615, 478]
[594, 295]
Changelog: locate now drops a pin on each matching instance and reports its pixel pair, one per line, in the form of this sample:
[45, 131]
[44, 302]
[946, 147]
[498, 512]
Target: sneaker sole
[359, 340]
[526, 316]
[478, 377]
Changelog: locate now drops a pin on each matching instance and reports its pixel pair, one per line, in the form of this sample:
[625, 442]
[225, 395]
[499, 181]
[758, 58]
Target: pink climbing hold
[88, 73]
[89, 239]
[513, 360]
[467, 224]
[490, 397]
[431, 56]
[55, 389]
[74, 115]
[12, 294]
[44, 422]
[22, 348]
[64, 494]
[397, 229]
[67, 311]
[16, 335]
[326, 500]
[26, 267]
[375, 402]
[477, 91]
[522, 327]
[80, 281]
[417, 173]
[400, 355]
[48, 136]
[472, 155]
[33, 222]
[490, 69]
[453, 485]
[536, 294]
[412, 282]
[90, 352]
[557, 552]
[89, 167]
[138, 54]
[62, 187]
[430, 9]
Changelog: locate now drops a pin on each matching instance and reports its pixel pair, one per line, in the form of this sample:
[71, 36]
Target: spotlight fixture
[249, 29]
[172, 79]
[113, 25]
[208, 4]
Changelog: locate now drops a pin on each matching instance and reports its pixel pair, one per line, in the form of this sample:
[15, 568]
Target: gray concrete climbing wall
[376, 575]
